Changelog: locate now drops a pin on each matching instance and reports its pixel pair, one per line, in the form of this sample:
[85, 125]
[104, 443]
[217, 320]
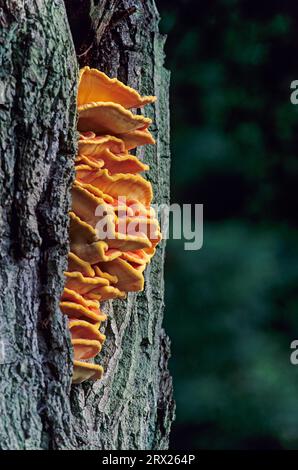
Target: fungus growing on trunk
[108, 189]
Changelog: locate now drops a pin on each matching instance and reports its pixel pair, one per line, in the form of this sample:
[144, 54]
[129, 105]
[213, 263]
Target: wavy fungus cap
[89, 207]
[117, 205]
[82, 284]
[143, 226]
[90, 161]
[130, 277]
[85, 348]
[137, 138]
[136, 256]
[112, 279]
[109, 247]
[76, 310]
[107, 118]
[73, 296]
[75, 263]
[85, 371]
[91, 144]
[114, 163]
[85, 245]
[97, 86]
[107, 293]
[130, 186]
[82, 329]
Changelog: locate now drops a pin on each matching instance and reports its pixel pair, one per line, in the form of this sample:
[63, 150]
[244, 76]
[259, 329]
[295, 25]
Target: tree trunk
[132, 406]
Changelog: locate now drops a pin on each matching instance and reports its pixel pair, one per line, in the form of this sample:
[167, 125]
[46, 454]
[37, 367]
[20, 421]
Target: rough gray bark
[37, 133]
[132, 407]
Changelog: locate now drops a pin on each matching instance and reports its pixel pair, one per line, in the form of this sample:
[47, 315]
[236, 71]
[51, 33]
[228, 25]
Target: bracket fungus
[108, 193]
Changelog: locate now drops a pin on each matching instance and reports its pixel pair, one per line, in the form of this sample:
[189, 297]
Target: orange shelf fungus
[137, 256]
[91, 145]
[97, 86]
[81, 329]
[137, 138]
[114, 163]
[106, 117]
[77, 264]
[81, 284]
[113, 229]
[85, 348]
[128, 185]
[83, 371]
[107, 293]
[83, 160]
[76, 310]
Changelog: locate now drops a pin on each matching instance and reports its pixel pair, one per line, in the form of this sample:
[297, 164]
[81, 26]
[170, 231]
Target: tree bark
[132, 406]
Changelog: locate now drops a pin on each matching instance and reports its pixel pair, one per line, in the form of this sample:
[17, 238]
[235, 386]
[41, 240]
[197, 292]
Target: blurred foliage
[232, 307]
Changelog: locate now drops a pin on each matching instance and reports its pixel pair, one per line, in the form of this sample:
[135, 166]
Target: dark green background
[232, 307]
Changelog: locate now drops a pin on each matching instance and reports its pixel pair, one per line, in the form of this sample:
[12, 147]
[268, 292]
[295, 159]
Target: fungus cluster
[113, 229]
